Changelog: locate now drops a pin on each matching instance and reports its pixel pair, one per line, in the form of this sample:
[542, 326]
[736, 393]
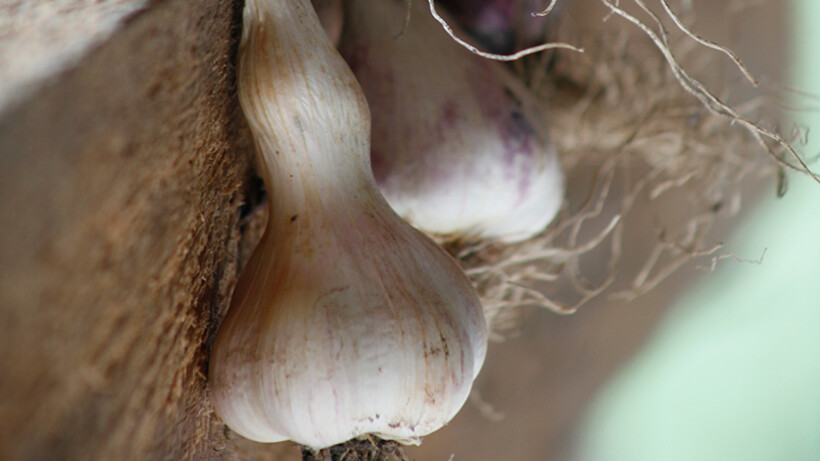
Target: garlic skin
[346, 321]
[459, 145]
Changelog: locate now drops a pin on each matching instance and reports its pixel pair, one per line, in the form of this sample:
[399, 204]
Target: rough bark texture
[121, 185]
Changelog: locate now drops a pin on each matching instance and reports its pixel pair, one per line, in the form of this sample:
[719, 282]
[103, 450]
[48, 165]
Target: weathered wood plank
[121, 180]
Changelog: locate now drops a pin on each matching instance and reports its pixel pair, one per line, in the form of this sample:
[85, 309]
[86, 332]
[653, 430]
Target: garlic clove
[459, 145]
[346, 321]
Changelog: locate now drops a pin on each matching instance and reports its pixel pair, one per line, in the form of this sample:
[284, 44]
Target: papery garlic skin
[346, 321]
[459, 146]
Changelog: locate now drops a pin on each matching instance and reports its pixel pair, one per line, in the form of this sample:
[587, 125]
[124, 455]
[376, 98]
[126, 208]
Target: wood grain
[121, 185]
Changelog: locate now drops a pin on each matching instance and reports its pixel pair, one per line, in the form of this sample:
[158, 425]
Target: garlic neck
[307, 112]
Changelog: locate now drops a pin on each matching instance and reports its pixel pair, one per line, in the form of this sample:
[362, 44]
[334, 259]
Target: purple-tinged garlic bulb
[459, 145]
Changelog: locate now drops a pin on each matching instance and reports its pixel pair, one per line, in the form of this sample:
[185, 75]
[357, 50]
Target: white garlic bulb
[459, 145]
[346, 321]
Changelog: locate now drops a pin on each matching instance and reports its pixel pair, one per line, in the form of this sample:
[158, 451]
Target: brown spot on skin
[444, 346]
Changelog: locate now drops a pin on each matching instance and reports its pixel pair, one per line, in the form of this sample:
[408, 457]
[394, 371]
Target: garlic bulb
[459, 146]
[346, 321]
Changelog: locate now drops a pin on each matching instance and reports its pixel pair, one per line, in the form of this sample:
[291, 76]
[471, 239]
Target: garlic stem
[296, 99]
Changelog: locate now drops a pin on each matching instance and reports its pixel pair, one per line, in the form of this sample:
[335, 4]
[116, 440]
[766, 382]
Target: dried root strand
[709, 44]
[497, 57]
[711, 102]
[511, 280]
[546, 10]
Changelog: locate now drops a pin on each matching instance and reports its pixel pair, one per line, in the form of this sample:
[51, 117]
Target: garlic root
[346, 321]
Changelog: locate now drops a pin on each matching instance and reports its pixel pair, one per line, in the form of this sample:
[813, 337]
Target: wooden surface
[120, 188]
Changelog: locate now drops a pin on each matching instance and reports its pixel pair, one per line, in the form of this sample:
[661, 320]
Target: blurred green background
[733, 372]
